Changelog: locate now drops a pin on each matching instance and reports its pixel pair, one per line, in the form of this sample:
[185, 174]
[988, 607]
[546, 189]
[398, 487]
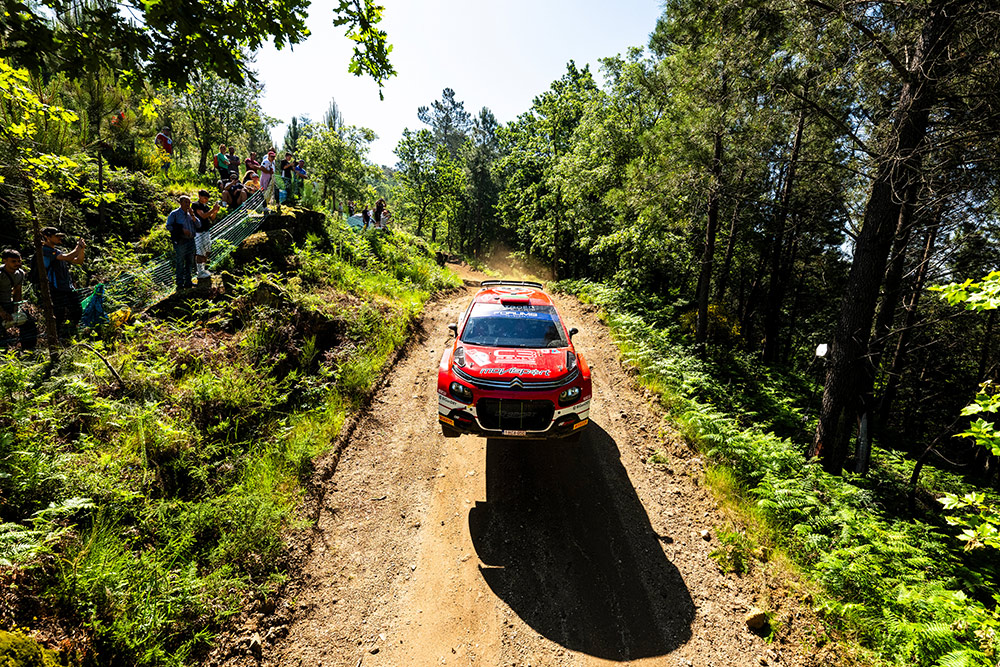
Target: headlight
[462, 393]
[569, 395]
[460, 356]
[570, 360]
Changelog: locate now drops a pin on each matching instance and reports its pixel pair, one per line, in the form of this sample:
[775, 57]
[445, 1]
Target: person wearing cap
[65, 302]
[267, 169]
[12, 278]
[233, 193]
[252, 185]
[165, 143]
[182, 225]
[203, 238]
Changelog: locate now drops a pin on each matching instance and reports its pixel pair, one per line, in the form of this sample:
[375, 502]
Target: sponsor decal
[446, 420]
[511, 289]
[580, 424]
[449, 403]
[530, 372]
[480, 358]
[511, 311]
[529, 357]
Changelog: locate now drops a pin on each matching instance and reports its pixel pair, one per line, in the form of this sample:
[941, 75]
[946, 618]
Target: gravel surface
[433, 551]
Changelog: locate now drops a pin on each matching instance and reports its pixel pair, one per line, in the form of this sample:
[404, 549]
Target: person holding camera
[12, 278]
[182, 225]
[65, 301]
[233, 193]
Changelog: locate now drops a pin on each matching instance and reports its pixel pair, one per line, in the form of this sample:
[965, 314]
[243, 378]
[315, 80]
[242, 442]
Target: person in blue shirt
[65, 301]
[182, 225]
[298, 177]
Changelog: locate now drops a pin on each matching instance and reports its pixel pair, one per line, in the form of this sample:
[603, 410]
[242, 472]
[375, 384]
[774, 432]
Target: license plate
[519, 433]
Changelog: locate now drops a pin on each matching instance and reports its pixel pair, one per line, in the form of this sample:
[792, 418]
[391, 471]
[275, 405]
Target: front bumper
[514, 416]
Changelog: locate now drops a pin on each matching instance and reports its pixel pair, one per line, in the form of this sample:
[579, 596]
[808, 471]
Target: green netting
[156, 279]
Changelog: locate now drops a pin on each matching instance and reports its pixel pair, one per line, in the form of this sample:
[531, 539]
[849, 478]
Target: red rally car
[512, 371]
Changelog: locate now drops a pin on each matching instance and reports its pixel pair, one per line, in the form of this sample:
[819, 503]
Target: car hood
[510, 362]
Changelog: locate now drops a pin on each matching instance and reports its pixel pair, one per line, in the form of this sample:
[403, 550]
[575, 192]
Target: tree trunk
[711, 226]
[850, 375]
[776, 286]
[45, 296]
[100, 184]
[894, 273]
[420, 219]
[203, 159]
[909, 320]
[727, 261]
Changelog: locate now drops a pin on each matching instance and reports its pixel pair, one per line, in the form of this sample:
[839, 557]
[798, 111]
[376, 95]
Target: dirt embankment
[433, 551]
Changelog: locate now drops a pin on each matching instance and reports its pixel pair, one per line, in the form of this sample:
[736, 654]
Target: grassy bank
[142, 507]
[893, 576]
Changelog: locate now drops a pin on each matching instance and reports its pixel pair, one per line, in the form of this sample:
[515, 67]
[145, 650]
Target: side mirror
[574, 331]
[454, 328]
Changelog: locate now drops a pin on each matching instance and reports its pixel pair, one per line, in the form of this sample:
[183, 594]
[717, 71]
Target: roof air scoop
[515, 301]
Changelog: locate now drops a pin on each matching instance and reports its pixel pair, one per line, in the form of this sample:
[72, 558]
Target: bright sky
[495, 54]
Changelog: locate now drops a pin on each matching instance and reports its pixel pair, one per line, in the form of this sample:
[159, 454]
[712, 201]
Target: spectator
[298, 177]
[222, 163]
[11, 282]
[381, 218]
[286, 167]
[182, 225]
[251, 164]
[350, 208]
[65, 302]
[234, 163]
[233, 193]
[203, 238]
[267, 170]
[165, 143]
[253, 185]
[365, 216]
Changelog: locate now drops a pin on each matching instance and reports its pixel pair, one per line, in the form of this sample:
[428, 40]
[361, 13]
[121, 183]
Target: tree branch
[896, 63]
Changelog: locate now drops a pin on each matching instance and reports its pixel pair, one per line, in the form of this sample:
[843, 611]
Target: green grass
[150, 513]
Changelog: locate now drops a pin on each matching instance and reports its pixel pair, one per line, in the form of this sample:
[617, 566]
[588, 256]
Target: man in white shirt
[267, 170]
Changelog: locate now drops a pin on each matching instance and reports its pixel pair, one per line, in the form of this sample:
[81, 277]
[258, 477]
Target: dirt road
[433, 551]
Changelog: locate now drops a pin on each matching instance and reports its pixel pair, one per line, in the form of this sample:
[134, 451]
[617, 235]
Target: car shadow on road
[567, 544]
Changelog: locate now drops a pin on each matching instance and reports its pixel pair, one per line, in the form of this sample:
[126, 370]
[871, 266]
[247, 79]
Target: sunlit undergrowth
[896, 581]
[149, 510]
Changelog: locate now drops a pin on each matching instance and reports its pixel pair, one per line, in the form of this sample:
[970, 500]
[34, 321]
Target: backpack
[215, 160]
[33, 271]
[93, 308]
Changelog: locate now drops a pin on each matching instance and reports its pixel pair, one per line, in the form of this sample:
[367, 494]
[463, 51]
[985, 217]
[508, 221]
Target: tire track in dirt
[467, 551]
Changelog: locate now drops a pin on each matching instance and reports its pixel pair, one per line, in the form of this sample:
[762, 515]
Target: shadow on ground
[568, 545]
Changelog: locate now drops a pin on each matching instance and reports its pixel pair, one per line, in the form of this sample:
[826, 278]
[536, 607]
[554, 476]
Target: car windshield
[519, 325]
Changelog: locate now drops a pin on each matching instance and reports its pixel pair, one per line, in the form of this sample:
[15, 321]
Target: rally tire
[449, 432]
